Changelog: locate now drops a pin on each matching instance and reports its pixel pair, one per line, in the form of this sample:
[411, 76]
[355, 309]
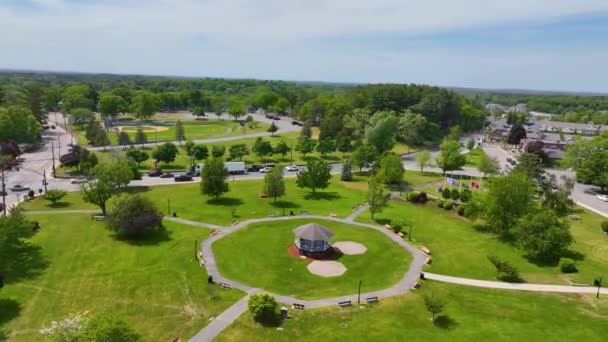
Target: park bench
[297, 306]
[417, 285]
[333, 215]
[98, 217]
[388, 226]
[262, 195]
[429, 260]
[370, 300]
[345, 303]
[303, 212]
[225, 285]
[400, 234]
[235, 222]
[425, 250]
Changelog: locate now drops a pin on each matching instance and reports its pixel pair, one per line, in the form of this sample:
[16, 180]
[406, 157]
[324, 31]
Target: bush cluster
[461, 210]
[567, 265]
[440, 203]
[448, 205]
[417, 197]
[605, 226]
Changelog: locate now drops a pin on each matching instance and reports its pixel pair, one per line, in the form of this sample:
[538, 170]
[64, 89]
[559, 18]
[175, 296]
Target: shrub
[440, 203]
[422, 198]
[465, 195]
[31, 194]
[446, 193]
[567, 265]
[504, 269]
[54, 195]
[412, 197]
[461, 210]
[263, 307]
[455, 194]
[605, 226]
[134, 215]
[448, 205]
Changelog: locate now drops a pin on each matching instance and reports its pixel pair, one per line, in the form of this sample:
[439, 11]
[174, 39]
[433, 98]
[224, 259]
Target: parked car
[167, 175]
[53, 127]
[296, 123]
[254, 168]
[19, 188]
[602, 197]
[183, 178]
[291, 168]
[513, 162]
[509, 160]
[269, 165]
[79, 180]
[265, 169]
[192, 173]
[155, 173]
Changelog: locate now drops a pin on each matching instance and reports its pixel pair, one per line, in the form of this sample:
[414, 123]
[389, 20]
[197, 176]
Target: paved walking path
[357, 212]
[222, 321]
[193, 223]
[513, 286]
[45, 212]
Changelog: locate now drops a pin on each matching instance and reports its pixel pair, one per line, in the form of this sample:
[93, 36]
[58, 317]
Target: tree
[180, 134]
[123, 139]
[416, 130]
[213, 178]
[594, 170]
[77, 96]
[263, 307]
[543, 235]
[145, 104]
[531, 165]
[238, 151]
[81, 116]
[272, 129]
[449, 157]
[604, 226]
[274, 185]
[54, 195]
[376, 195]
[33, 97]
[488, 165]
[101, 138]
[363, 156]
[344, 145]
[165, 153]
[470, 144]
[137, 155]
[504, 269]
[555, 195]
[134, 215]
[316, 175]
[15, 231]
[326, 146]
[507, 199]
[423, 159]
[306, 130]
[434, 305]
[236, 109]
[111, 105]
[109, 180]
[18, 124]
[107, 327]
[86, 160]
[516, 133]
[198, 111]
[262, 148]
[189, 147]
[282, 148]
[382, 135]
[305, 145]
[218, 151]
[346, 175]
[391, 168]
[200, 152]
[140, 137]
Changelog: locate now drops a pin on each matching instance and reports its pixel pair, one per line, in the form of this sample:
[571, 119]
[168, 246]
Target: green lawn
[474, 156]
[459, 249]
[257, 255]
[187, 201]
[471, 314]
[154, 285]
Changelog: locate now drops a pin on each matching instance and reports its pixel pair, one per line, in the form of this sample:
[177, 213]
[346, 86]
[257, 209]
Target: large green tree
[213, 178]
[134, 215]
[391, 168]
[108, 180]
[18, 124]
[238, 151]
[382, 134]
[449, 157]
[33, 97]
[165, 153]
[111, 105]
[274, 184]
[594, 170]
[15, 248]
[543, 235]
[488, 165]
[316, 176]
[363, 156]
[180, 133]
[377, 197]
[423, 159]
[145, 104]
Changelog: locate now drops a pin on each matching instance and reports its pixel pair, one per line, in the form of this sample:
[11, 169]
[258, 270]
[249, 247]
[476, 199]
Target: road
[285, 125]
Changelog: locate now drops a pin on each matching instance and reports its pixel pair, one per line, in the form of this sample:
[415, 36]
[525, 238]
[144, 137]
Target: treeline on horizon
[424, 113]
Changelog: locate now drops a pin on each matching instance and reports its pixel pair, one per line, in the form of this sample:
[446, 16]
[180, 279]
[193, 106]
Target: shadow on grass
[553, 262]
[511, 279]
[137, 189]
[445, 322]
[156, 238]
[29, 262]
[330, 196]
[285, 205]
[382, 221]
[225, 201]
[9, 309]
[59, 205]
[269, 322]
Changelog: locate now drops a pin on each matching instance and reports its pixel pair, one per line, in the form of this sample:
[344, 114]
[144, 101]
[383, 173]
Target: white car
[292, 168]
[79, 180]
[265, 169]
[602, 197]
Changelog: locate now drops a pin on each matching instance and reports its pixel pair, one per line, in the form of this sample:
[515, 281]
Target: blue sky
[542, 44]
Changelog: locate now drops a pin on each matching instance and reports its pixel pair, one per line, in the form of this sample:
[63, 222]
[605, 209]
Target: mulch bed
[294, 252]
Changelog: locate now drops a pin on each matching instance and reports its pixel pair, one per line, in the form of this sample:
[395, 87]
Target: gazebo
[312, 240]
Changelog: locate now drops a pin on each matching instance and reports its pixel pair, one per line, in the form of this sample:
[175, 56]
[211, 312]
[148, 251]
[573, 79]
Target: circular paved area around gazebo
[326, 268]
[350, 247]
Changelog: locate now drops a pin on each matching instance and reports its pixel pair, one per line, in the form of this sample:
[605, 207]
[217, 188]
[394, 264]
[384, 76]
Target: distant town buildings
[518, 108]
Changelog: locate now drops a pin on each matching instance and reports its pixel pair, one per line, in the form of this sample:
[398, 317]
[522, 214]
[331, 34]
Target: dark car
[166, 175]
[509, 160]
[183, 178]
[296, 123]
[155, 173]
[254, 168]
[512, 162]
[191, 173]
[53, 127]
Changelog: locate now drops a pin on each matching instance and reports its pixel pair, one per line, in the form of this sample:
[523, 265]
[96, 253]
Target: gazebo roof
[313, 231]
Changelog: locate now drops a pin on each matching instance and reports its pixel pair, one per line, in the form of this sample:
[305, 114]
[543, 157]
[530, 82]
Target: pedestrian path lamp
[598, 282]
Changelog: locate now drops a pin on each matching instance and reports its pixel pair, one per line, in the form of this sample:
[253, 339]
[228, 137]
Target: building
[588, 129]
[312, 240]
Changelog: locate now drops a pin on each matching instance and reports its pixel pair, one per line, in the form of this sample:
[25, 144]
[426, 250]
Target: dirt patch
[146, 129]
[350, 247]
[326, 268]
[294, 252]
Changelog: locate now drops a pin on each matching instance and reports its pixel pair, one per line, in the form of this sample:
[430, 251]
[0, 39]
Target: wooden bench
[333, 215]
[98, 217]
[297, 306]
[262, 195]
[429, 260]
[388, 226]
[400, 234]
[370, 300]
[225, 285]
[425, 250]
[345, 303]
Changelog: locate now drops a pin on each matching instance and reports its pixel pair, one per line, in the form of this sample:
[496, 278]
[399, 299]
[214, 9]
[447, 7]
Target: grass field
[155, 285]
[459, 249]
[474, 156]
[241, 202]
[471, 314]
[257, 256]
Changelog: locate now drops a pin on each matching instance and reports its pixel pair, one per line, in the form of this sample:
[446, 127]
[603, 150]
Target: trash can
[283, 312]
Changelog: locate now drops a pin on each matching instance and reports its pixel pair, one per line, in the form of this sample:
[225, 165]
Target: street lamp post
[598, 282]
[409, 236]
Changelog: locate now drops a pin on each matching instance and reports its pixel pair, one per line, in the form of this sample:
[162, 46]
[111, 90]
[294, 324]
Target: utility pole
[359, 293]
[3, 193]
[291, 153]
[53, 154]
[44, 180]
